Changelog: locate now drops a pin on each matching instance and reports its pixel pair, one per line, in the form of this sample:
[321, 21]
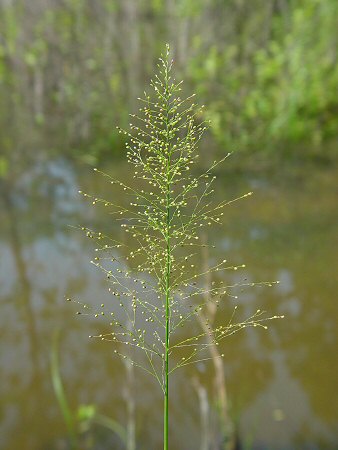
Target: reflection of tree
[30, 377]
[295, 233]
[225, 432]
[24, 288]
[289, 235]
[312, 336]
[27, 324]
[249, 372]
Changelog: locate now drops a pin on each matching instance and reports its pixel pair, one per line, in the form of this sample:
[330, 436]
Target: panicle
[169, 205]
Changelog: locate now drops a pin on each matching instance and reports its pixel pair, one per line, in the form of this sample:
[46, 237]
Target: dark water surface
[281, 382]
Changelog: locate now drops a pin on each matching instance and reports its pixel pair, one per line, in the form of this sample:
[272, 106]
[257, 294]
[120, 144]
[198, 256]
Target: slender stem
[167, 279]
[167, 313]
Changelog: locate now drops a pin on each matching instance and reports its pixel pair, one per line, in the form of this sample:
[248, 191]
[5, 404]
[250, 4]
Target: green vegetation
[267, 71]
[276, 89]
[82, 420]
[157, 280]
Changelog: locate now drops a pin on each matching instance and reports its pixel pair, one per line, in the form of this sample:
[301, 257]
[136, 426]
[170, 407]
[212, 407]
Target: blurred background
[267, 73]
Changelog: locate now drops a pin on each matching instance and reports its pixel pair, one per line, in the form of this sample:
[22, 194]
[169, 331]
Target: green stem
[167, 284]
[61, 395]
[167, 310]
[167, 323]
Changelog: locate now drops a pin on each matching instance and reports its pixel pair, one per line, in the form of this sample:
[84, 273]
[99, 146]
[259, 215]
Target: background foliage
[70, 70]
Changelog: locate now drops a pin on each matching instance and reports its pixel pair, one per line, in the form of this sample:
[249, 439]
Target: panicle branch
[162, 144]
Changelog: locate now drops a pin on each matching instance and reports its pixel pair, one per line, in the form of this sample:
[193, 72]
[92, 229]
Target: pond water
[281, 383]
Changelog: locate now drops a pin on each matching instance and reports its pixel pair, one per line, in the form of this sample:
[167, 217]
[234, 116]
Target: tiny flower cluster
[155, 284]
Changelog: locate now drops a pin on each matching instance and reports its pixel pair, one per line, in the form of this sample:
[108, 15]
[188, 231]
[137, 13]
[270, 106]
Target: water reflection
[281, 382]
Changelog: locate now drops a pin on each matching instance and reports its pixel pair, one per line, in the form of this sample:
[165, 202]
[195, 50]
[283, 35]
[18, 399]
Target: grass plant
[156, 277]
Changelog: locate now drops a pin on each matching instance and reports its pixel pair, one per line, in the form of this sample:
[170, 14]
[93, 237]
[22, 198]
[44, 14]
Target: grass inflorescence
[157, 280]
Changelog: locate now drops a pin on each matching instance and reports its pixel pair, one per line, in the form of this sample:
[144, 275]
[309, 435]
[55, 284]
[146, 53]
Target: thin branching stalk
[156, 277]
